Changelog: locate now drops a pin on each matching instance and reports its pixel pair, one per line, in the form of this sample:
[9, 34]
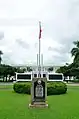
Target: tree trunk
[0, 59]
[3, 79]
[6, 78]
[9, 78]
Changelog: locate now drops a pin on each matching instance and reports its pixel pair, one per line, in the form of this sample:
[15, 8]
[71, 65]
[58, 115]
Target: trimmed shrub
[53, 88]
[22, 87]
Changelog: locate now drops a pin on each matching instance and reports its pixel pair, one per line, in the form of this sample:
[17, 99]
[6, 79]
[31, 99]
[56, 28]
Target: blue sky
[19, 30]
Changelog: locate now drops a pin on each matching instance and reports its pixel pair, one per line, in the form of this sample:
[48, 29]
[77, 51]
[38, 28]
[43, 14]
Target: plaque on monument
[39, 90]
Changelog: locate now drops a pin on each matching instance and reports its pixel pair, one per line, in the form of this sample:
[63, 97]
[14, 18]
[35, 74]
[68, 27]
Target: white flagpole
[37, 62]
[41, 62]
[39, 69]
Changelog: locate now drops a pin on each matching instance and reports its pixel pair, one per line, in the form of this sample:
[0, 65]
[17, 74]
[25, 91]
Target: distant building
[44, 68]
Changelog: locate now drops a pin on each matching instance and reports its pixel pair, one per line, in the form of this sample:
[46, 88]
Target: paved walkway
[73, 84]
[1, 83]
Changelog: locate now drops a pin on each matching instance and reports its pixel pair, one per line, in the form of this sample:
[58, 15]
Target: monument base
[38, 104]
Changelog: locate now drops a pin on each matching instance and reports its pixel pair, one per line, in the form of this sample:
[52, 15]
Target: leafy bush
[22, 87]
[53, 88]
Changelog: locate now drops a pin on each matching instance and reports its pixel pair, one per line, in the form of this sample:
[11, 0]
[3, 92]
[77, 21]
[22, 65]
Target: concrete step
[39, 103]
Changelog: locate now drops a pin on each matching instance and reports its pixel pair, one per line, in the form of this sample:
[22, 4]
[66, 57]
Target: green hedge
[53, 88]
[22, 87]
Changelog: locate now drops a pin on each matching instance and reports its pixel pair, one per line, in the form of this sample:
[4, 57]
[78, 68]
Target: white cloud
[19, 30]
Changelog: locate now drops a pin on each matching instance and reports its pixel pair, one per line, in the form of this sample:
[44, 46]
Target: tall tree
[75, 52]
[0, 56]
[50, 69]
[73, 68]
[29, 69]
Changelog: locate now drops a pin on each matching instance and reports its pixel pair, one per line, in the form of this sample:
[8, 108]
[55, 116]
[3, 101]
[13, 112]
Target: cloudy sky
[19, 30]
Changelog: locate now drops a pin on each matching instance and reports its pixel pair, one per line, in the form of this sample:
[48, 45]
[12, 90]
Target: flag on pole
[40, 30]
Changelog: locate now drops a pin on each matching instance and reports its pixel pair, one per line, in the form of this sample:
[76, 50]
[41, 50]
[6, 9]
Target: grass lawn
[15, 106]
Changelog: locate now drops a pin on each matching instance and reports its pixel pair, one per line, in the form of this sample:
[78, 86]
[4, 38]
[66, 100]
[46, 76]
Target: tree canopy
[0, 56]
[8, 71]
[73, 68]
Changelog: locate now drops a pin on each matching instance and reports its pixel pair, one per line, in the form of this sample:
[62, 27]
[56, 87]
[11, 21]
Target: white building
[44, 68]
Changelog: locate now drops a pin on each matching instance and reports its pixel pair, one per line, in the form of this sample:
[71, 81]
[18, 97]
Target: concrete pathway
[73, 84]
[1, 83]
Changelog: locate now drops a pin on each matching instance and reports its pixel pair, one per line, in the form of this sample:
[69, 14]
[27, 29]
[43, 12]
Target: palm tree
[0, 56]
[75, 52]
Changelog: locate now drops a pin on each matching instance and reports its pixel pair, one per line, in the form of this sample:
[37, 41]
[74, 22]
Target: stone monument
[39, 84]
[39, 92]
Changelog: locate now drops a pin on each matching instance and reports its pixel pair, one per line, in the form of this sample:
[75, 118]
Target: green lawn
[15, 106]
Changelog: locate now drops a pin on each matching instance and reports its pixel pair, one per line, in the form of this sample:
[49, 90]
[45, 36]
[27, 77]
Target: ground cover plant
[15, 106]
